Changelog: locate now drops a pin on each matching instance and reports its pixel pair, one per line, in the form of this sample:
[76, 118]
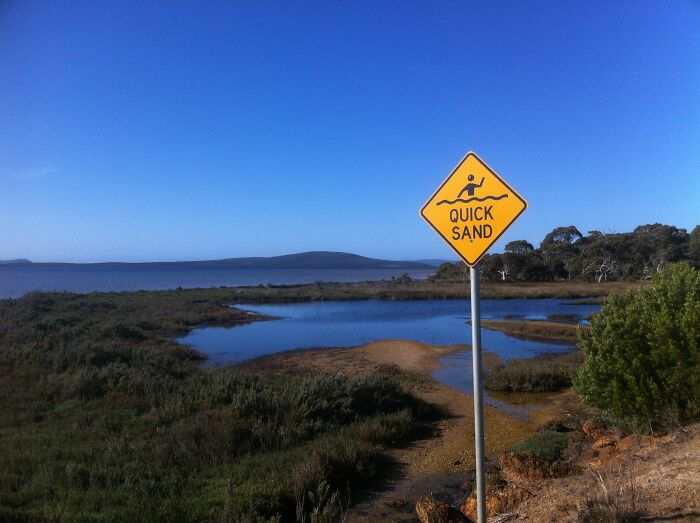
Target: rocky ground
[653, 478]
[603, 476]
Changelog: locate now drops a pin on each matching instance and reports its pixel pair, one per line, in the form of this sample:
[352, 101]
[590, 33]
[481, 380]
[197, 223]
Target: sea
[18, 280]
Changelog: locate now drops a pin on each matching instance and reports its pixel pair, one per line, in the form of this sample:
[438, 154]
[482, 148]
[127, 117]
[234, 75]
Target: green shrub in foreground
[642, 365]
[547, 445]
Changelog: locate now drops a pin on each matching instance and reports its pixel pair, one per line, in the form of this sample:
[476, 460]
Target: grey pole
[478, 400]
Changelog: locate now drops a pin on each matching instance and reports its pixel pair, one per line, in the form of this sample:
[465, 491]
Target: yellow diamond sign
[472, 208]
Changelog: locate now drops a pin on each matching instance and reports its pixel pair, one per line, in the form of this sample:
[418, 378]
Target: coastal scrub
[105, 418]
[642, 364]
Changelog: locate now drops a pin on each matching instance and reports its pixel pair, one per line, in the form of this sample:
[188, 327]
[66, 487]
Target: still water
[17, 280]
[352, 323]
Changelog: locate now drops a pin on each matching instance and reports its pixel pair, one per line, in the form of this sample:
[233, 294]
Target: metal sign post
[474, 274]
[470, 211]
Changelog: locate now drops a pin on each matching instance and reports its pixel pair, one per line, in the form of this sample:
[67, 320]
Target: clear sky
[134, 130]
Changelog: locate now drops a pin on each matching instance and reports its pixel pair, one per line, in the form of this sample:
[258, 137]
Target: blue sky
[135, 130]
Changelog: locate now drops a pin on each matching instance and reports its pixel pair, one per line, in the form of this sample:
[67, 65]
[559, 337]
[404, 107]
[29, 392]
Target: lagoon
[353, 323]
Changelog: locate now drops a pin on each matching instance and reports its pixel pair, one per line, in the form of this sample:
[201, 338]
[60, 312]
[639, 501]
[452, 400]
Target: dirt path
[440, 465]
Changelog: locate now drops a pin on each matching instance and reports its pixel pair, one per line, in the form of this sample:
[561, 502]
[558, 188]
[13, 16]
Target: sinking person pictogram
[470, 188]
[472, 208]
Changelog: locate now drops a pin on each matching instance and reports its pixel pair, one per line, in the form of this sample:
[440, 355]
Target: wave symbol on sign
[474, 199]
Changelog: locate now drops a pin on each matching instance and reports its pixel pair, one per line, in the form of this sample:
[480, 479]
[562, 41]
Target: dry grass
[619, 505]
[536, 330]
[422, 290]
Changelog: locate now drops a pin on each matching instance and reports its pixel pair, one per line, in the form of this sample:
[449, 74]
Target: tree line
[566, 254]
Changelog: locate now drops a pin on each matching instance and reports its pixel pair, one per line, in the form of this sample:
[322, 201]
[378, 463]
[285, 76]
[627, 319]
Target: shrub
[104, 418]
[642, 356]
[547, 445]
[543, 374]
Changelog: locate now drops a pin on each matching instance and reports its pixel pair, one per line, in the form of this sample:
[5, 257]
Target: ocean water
[18, 280]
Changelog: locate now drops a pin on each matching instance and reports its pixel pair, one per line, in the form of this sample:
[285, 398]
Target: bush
[103, 417]
[642, 356]
[547, 445]
[543, 374]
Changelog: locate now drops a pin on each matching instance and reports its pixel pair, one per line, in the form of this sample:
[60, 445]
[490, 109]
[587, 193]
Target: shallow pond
[351, 323]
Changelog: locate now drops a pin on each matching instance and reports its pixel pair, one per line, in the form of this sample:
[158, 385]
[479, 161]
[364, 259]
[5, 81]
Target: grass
[614, 507]
[537, 330]
[542, 374]
[547, 445]
[422, 290]
[104, 418]
[592, 301]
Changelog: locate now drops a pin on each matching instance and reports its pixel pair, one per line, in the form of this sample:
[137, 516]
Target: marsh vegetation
[103, 418]
[542, 374]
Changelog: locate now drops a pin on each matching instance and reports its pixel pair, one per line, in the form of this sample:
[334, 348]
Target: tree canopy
[566, 254]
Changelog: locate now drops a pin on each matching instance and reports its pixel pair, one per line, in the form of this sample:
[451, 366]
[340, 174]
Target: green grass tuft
[547, 445]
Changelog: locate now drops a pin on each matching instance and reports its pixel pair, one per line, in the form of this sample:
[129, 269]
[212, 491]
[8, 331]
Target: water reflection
[456, 372]
[348, 324]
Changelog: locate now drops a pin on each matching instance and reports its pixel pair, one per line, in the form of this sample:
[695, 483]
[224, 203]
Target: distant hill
[317, 260]
[435, 262]
[303, 260]
[20, 261]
